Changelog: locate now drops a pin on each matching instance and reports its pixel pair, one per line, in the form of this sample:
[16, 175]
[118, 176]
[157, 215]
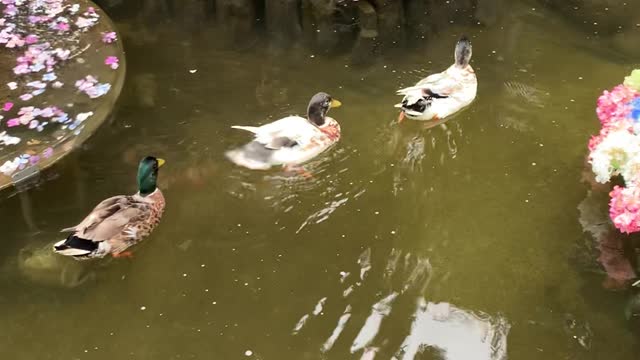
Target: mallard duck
[292, 140]
[120, 221]
[440, 95]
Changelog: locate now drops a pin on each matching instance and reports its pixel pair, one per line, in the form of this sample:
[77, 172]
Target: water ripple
[454, 333]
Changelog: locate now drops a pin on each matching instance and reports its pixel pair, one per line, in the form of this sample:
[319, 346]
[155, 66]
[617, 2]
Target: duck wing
[110, 217]
[281, 142]
[284, 133]
[439, 85]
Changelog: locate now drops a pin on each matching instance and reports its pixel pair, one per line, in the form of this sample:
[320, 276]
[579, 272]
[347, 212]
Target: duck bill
[335, 103]
[161, 162]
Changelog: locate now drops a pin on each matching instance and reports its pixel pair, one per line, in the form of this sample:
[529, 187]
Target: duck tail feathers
[463, 51]
[251, 129]
[409, 90]
[74, 246]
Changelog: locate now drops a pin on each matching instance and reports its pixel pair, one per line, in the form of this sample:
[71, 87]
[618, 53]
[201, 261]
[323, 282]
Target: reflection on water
[454, 333]
[457, 334]
[406, 242]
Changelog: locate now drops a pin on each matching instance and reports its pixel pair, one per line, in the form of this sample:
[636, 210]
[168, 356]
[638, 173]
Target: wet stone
[390, 22]
[366, 49]
[237, 18]
[62, 70]
[283, 32]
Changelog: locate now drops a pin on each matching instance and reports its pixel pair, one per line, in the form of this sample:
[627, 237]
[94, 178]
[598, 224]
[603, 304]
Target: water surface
[464, 237]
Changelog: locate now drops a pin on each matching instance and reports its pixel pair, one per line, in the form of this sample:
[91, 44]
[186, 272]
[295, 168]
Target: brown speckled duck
[120, 221]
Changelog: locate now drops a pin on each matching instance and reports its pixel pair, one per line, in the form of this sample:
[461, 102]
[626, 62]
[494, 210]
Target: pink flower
[86, 83]
[7, 106]
[109, 37]
[26, 97]
[37, 19]
[13, 122]
[112, 61]
[613, 106]
[21, 69]
[15, 41]
[62, 54]
[62, 26]
[624, 208]
[31, 39]
[82, 22]
[10, 10]
[47, 152]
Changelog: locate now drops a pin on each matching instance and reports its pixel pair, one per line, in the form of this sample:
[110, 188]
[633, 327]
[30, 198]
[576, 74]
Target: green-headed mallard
[292, 140]
[120, 221]
[440, 95]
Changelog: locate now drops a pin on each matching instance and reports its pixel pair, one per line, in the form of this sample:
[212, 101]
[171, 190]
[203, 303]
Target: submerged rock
[43, 266]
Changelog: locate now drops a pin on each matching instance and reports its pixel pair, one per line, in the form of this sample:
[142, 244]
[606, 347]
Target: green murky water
[481, 214]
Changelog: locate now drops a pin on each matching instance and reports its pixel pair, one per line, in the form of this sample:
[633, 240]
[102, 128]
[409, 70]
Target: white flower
[630, 171]
[84, 116]
[10, 166]
[613, 153]
[7, 139]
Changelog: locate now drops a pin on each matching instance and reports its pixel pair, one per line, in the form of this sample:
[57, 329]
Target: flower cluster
[43, 35]
[36, 118]
[624, 208]
[90, 86]
[615, 151]
[30, 26]
[112, 61]
[109, 37]
[20, 162]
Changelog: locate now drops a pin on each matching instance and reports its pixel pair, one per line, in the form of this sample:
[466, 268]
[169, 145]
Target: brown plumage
[118, 222]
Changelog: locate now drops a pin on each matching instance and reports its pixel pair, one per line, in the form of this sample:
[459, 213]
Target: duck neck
[147, 183]
[316, 115]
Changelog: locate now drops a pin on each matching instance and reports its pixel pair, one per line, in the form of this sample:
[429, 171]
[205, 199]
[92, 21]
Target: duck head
[319, 107]
[463, 52]
[148, 174]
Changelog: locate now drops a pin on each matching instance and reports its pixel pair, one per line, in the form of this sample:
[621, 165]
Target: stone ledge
[59, 81]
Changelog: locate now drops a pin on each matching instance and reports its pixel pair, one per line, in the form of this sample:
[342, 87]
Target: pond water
[466, 237]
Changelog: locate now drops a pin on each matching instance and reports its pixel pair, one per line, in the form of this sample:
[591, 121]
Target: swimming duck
[292, 140]
[120, 221]
[440, 95]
